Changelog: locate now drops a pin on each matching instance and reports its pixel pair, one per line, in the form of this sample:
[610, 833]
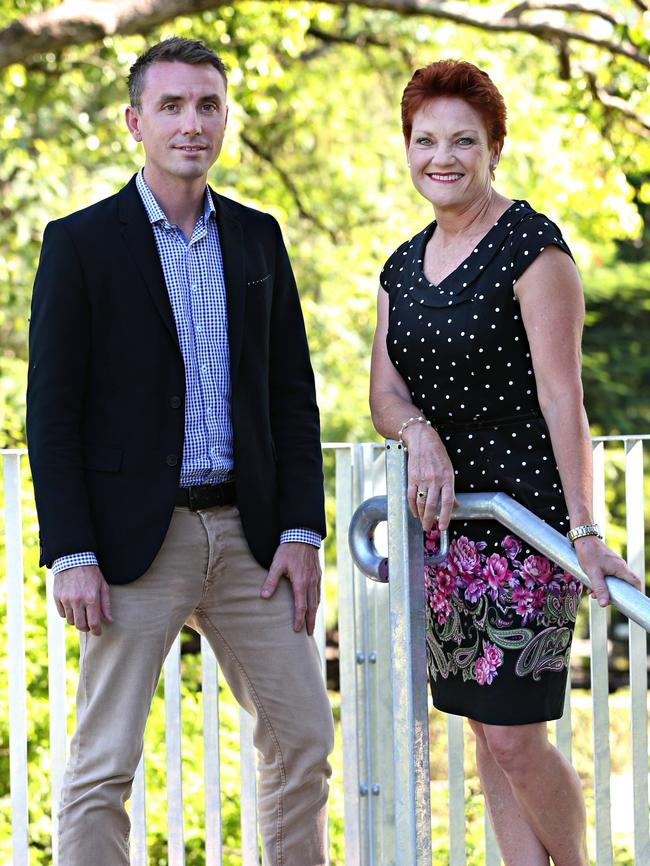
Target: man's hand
[298, 562]
[81, 597]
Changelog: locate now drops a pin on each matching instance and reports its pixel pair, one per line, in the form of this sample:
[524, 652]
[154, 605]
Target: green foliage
[314, 136]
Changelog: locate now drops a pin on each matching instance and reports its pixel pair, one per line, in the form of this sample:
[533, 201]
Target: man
[174, 441]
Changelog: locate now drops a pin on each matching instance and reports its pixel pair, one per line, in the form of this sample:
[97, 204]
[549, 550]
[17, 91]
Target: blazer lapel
[231, 238]
[138, 236]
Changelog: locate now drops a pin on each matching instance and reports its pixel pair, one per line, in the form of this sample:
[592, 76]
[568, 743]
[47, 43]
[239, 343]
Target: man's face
[181, 121]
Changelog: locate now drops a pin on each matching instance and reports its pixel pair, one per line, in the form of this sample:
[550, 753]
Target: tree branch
[287, 180]
[571, 8]
[609, 101]
[77, 22]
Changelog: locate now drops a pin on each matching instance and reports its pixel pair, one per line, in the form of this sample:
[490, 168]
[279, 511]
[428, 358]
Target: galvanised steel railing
[408, 661]
[369, 704]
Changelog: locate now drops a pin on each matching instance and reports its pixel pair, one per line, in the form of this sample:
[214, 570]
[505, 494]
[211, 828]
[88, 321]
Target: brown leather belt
[206, 495]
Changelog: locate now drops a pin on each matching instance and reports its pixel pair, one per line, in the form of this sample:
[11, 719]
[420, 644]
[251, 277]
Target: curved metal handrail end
[361, 538]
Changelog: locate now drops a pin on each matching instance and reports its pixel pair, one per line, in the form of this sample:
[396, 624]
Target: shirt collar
[156, 214]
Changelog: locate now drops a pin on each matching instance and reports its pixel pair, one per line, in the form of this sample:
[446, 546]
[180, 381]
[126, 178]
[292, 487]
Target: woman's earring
[408, 164]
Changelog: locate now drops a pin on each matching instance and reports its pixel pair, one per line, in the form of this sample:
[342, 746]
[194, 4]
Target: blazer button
[175, 402]
[172, 460]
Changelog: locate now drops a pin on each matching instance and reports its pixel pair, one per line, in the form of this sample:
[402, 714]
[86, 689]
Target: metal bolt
[360, 658]
[372, 658]
[376, 790]
[363, 790]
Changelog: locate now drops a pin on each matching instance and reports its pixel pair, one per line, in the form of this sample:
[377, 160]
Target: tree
[314, 136]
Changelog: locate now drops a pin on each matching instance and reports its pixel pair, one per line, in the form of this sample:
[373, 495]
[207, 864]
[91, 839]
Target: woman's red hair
[455, 78]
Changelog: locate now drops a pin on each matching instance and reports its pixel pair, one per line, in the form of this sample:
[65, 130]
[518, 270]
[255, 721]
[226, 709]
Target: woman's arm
[429, 466]
[552, 307]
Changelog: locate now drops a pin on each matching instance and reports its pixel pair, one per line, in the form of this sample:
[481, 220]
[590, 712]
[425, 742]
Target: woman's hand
[598, 561]
[430, 476]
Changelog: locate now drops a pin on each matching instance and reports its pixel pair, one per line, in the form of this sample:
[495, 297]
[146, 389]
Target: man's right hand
[82, 598]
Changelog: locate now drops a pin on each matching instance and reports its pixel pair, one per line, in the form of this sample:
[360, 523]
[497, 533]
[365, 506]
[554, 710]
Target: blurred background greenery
[314, 137]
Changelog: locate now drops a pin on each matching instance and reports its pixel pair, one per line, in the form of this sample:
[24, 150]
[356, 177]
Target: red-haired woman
[476, 368]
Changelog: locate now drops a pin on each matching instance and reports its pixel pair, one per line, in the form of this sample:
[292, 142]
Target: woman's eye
[465, 140]
[423, 140]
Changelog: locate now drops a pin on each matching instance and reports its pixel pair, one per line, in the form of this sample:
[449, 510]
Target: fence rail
[386, 795]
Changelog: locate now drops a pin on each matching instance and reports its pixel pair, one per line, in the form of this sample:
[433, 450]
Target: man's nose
[191, 122]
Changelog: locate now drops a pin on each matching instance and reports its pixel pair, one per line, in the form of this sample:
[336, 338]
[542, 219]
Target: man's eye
[209, 107]
[169, 107]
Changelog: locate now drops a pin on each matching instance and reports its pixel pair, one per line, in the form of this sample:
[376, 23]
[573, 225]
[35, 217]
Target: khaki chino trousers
[203, 575]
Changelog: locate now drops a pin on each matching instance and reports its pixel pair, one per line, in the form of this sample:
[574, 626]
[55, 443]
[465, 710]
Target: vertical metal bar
[362, 462]
[563, 725]
[409, 669]
[492, 853]
[248, 782]
[638, 650]
[456, 787]
[353, 812]
[16, 660]
[175, 843]
[57, 705]
[138, 816]
[381, 779]
[211, 756]
[600, 690]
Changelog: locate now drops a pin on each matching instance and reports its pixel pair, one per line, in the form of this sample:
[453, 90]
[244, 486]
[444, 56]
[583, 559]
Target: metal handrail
[494, 506]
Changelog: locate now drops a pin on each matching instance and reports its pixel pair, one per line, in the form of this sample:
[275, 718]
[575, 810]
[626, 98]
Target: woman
[476, 369]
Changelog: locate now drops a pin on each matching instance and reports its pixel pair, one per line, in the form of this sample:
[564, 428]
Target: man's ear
[132, 119]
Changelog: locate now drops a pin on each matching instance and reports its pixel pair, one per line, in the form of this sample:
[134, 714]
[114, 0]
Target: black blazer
[106, 387]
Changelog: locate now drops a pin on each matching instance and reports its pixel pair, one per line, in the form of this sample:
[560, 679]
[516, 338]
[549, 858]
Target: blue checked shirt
[195, 282]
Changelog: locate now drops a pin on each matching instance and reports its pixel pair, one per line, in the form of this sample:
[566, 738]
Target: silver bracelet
[416, 419]
[583, 531]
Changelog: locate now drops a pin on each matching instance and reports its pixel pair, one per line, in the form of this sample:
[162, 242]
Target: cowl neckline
[460, 285]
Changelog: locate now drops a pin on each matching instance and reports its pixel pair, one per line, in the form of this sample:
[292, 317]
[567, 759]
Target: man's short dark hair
[173, 50]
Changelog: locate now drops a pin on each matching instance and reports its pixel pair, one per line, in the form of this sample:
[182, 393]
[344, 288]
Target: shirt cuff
[72, 561]
[306, 536]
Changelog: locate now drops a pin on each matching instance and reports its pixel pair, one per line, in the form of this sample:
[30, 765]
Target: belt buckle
[192, 499]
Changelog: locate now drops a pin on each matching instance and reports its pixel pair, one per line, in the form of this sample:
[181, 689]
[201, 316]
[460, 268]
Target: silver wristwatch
[583, 531]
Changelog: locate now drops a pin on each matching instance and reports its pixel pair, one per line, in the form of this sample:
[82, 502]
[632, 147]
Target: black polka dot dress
[500, 615]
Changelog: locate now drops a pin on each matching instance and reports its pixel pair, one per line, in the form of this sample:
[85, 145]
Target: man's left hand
[299, 563]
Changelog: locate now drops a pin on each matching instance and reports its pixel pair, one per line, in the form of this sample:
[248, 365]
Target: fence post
[16, 654]
[638, 650]
[409, 669]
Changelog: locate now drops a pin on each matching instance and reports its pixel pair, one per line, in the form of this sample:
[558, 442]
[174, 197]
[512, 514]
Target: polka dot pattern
[461, 347]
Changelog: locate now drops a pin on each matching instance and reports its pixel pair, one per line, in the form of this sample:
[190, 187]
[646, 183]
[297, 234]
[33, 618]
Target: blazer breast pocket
[260, 282]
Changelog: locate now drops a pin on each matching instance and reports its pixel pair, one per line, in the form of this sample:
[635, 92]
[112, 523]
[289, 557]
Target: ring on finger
[422, 494]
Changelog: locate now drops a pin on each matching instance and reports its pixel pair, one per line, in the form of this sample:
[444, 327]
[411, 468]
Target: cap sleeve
[531, 237]
[388, 277]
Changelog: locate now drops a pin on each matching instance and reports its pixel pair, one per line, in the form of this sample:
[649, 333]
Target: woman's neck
[472, 220]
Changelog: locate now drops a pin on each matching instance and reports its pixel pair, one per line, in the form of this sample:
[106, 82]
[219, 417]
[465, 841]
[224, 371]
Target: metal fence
[386, 790]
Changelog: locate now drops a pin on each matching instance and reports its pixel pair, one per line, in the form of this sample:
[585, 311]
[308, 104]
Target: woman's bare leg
[545, 786]
[517, 840]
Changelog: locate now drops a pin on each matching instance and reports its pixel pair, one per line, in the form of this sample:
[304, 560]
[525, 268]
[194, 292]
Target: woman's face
[449, 153]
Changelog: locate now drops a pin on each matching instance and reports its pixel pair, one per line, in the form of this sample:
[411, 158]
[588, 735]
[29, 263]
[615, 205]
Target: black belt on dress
[450, 426]
[206, 495]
